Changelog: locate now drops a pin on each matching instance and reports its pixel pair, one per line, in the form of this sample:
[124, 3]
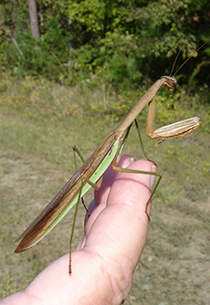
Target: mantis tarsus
[106, 154]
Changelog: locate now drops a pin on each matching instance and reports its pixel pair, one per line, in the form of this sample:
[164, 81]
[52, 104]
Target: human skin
[105, 260]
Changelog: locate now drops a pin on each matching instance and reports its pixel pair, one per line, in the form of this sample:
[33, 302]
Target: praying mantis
[106, 154]
[91, 172]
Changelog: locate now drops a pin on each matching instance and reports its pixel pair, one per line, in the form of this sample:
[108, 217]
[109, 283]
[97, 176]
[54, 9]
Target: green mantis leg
[73, 226]
[95, 186]
[140, 139]
[76, 150]
[125, 170]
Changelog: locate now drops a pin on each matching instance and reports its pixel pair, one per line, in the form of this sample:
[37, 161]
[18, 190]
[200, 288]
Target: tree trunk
[33, 19]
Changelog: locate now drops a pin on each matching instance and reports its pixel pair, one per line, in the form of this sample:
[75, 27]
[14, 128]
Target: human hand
[105, 259]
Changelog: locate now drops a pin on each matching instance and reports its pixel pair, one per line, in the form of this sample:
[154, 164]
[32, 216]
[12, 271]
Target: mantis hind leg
[73, 225]
[95, 186]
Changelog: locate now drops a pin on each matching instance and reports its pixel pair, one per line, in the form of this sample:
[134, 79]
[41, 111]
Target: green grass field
[40, 122]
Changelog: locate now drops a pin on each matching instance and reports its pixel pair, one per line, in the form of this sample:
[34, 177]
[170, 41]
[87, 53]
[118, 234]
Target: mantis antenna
[188, 57]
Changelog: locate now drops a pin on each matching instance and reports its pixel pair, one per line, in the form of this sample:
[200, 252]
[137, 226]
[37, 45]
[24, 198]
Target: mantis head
[169, 82]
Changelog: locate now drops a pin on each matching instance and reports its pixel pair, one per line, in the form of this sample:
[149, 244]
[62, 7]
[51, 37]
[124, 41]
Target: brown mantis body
[93, 169]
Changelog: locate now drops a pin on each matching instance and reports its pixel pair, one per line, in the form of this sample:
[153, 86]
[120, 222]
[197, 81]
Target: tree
[33, 19]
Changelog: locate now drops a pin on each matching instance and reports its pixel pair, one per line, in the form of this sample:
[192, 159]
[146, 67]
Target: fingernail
[152, 177]
[131, 160]
[81, 244]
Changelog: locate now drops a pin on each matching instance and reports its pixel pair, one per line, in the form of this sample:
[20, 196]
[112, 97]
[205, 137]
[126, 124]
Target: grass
[40, 122]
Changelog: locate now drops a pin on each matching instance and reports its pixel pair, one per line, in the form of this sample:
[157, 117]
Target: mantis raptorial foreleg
[174, 130]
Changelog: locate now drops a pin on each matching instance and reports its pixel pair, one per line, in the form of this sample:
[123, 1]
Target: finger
[109, 177]
[102, 271]
[122, 226]
[101, 195]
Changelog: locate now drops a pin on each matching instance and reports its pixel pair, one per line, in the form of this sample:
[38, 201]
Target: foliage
[123, 42]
